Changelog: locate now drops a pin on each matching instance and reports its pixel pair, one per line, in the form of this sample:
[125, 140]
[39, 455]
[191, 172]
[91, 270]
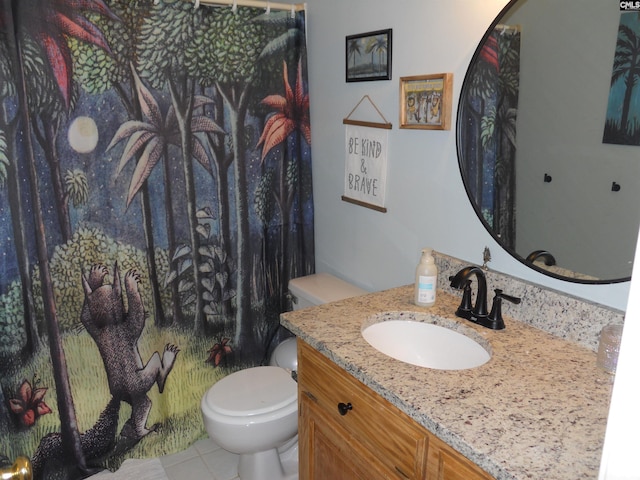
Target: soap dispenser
[426, 280]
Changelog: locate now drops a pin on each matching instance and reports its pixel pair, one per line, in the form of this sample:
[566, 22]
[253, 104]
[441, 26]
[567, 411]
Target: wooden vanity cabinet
[348, 432]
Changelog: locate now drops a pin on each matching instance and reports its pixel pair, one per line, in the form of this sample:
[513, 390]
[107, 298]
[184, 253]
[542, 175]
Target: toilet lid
[252, 391]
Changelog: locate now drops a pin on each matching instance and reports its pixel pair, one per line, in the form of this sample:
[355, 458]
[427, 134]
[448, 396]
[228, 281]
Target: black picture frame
[368, 56]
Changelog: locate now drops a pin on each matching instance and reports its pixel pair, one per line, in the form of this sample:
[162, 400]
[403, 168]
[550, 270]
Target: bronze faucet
[478, 313]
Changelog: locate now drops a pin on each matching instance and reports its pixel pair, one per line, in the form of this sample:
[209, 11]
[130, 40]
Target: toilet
[254, 412]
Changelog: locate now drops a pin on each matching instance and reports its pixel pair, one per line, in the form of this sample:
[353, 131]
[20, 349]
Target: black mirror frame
[459, 151]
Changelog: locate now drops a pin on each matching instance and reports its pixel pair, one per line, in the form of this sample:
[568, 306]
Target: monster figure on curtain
[488, 132]
[156, 199]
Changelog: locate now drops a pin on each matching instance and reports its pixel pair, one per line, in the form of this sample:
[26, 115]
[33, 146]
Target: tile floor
[204, 460]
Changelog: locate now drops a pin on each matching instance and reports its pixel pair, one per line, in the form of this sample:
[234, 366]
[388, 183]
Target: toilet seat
[252, 391]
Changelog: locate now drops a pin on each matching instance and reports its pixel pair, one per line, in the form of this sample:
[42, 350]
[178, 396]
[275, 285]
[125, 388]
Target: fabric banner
[365, 176]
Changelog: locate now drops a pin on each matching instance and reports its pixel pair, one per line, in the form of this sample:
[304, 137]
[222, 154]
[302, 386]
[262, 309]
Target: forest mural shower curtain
[156, 198]
[488, 132]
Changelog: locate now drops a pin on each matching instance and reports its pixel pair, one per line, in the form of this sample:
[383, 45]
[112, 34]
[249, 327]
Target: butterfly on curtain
[29, 403]
[219, 351]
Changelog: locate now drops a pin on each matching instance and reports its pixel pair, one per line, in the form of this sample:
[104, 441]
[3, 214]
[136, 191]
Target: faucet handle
[494, 320]
[510, 298]
[464, 310]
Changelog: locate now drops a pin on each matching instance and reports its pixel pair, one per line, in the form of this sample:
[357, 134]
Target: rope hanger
[348, 121]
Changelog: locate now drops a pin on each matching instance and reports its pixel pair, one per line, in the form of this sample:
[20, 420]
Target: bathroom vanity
[366, 437]
[537, 409]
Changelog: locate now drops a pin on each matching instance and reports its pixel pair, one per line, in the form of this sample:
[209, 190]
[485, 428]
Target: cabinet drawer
[381, 427]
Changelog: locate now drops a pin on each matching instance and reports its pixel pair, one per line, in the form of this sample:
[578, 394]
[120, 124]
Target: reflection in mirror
[531, 119]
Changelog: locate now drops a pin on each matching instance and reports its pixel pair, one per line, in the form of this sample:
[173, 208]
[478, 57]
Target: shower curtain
[155, 172]
[488, 133]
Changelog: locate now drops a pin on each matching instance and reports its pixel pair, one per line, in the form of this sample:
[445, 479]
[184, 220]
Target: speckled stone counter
[536, 410]
[565, 316]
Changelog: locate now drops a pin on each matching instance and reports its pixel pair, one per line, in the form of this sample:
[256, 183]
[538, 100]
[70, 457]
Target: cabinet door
[372, 439]
[389, 437]
[445, 463]
[328, 452]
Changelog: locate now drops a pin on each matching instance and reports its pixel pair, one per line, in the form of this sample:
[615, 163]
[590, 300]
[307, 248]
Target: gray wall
[426, 201]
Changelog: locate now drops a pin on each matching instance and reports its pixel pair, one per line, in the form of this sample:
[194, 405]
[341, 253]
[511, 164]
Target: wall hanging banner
[365, 176]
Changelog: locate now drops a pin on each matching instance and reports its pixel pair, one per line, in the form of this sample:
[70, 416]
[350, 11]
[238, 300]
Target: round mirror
[556, 191]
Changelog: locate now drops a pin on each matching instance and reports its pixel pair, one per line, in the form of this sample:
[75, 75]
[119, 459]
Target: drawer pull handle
[344, 408]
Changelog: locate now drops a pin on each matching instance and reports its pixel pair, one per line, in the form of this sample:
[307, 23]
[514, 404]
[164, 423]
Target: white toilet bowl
[254, 413]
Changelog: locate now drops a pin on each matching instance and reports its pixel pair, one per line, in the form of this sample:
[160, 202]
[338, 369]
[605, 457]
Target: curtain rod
[508, 28]
[256, 4]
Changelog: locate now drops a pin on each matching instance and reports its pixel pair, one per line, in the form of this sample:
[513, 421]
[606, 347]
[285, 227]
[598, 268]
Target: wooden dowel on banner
[367, 124]
[364, 204]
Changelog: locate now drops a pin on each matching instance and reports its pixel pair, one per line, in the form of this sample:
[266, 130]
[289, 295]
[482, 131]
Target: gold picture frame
[425, 101]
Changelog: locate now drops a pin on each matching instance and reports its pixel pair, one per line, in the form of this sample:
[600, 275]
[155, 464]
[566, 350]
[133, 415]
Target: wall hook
[615, 187]
[547, 178]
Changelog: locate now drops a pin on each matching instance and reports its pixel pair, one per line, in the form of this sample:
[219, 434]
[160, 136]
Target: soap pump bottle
[426, 280]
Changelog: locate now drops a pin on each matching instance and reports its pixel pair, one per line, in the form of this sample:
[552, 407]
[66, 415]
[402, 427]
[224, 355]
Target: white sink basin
[425, 344]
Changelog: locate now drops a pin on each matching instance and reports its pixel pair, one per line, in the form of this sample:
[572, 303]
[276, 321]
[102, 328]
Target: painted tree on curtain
[488, 135]
[156, 199]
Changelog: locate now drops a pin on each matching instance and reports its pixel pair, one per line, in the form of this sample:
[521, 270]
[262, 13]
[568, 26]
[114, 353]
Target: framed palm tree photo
[368, 56]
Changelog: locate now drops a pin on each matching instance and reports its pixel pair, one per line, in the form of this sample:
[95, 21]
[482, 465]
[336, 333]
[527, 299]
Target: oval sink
[425, 345]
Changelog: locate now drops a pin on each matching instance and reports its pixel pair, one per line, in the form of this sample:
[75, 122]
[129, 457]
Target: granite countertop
[536, 410]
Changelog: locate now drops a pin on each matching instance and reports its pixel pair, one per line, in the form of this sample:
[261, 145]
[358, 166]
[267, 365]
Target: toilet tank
[320, 288]
[310, 291]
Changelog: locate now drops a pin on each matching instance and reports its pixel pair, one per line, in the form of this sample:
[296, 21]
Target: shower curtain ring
[156, 2]
[268, 7]
[196, 4]
[293, 11]
[234, 7]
